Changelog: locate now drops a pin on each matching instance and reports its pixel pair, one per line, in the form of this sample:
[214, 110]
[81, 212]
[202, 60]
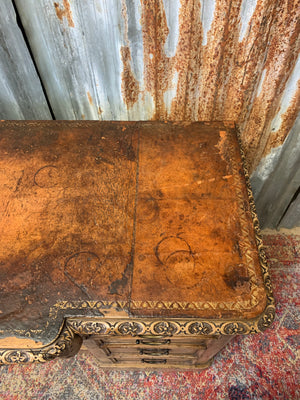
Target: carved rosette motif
[67, 344]
[171, 328]
[17, 356]
[130, 328]
[200, 328]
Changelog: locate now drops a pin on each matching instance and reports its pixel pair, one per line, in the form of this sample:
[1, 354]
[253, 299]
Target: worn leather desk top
[140, 219]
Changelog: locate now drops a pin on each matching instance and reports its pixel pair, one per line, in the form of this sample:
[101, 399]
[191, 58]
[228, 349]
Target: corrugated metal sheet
[90, 57]
[21, 95]
[171, 59]
[166, 59]
[277, 192]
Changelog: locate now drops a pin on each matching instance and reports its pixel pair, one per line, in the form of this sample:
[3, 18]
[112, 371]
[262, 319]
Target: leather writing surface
[143, 218]
[195, 251]
[67, 208]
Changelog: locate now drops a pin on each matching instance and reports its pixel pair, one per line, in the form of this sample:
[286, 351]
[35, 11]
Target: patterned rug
[263, 366]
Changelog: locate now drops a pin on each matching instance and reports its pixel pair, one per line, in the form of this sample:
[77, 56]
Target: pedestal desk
[138, 238]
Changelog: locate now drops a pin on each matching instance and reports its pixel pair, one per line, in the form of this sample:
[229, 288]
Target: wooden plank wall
[160, 60]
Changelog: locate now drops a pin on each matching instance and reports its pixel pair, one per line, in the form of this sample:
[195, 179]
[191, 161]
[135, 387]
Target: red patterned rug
[263, 366]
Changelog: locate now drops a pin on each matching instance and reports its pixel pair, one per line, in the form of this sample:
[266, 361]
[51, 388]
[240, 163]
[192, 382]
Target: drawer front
[155, 351]
[149, 351]
[156, 340]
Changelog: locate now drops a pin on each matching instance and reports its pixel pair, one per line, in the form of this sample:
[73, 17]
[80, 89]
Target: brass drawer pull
[153, 361]
[153, 342]
[154, 352]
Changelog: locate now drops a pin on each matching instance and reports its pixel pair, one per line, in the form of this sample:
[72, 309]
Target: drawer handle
[153, 342]
[154, 352]
[106, 351]
[153, 361]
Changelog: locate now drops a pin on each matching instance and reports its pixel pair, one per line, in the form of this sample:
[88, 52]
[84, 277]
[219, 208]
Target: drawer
[170, 354]
[150, 362]
[122, 356]
[155, 351]
[149, 340]
[172, 349]
[120, 352]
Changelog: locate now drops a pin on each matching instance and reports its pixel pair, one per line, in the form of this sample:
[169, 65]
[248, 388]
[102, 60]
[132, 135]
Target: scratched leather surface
[152, 215]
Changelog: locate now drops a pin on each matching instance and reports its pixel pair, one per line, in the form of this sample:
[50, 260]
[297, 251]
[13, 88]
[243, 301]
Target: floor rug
[261, 366]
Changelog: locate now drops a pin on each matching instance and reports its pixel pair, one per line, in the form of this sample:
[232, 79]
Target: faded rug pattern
[262, 366]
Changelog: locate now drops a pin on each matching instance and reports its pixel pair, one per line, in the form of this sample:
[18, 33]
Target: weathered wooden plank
[21, 94]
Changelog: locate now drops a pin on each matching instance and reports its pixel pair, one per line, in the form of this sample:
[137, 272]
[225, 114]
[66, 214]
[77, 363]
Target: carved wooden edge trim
[69, 340]
[66, 344]
[270, 307]
[171, 327]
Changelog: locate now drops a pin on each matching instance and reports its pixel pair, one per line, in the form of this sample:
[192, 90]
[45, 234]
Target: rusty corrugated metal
[171, 59]
[276, 183]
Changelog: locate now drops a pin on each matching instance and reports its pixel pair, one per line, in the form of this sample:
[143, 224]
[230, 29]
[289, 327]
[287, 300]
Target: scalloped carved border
[70, 338]
[258, 238]
[66, 344]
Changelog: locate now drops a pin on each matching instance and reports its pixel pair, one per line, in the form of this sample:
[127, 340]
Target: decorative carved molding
[67, 344]
[69, 340]
[169, 327]
[270, 308]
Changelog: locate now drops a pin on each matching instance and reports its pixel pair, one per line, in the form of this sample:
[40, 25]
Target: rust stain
[245, 62]
[130, 86]
[155, 33]
[160, 70]
[277, 138]
[100, 111]
[219, 80]
[82, 116]
[228, 16]
[210, 56]
[188, 61]
[280, 59]
[90, 98]
[64, 12]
